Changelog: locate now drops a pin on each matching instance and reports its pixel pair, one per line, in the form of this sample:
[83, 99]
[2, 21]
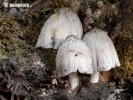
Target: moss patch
[10, 42]
[125, 51]
[125, 44]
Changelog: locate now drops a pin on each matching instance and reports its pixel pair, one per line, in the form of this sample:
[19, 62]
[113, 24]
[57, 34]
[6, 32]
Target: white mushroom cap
[104, 55]
[58, 27]
[73, 55]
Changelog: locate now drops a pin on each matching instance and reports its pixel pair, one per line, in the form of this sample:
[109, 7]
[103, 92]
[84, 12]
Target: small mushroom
[104, 55]
[73, 55]
[60, 25]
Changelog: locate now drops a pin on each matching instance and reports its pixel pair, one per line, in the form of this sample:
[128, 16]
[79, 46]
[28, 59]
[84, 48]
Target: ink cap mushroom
[57, 27]
[103, 52]
[73, 55]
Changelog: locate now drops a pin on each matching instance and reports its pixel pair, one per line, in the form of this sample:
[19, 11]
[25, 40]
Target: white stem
[73, 80]
[94, 77]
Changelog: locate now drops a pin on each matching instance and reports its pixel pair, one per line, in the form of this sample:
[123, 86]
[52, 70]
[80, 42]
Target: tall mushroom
[104, 55]
[73, 55]
[60, 25]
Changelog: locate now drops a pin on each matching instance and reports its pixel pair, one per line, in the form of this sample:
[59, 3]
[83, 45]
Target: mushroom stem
[94, 77]
[73, 80]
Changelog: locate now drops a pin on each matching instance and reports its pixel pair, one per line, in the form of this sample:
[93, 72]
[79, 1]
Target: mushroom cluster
[95, 53]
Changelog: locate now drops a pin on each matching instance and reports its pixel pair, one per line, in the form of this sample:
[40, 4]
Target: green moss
[10, 43]
[49, 57]
[125, 51]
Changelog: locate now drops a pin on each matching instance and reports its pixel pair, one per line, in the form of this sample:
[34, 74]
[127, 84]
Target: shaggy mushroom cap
[60, 25]
[104, 55]
[73, 55]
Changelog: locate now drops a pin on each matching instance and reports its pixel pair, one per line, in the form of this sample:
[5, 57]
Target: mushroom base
[94, 77]
[73, 80]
